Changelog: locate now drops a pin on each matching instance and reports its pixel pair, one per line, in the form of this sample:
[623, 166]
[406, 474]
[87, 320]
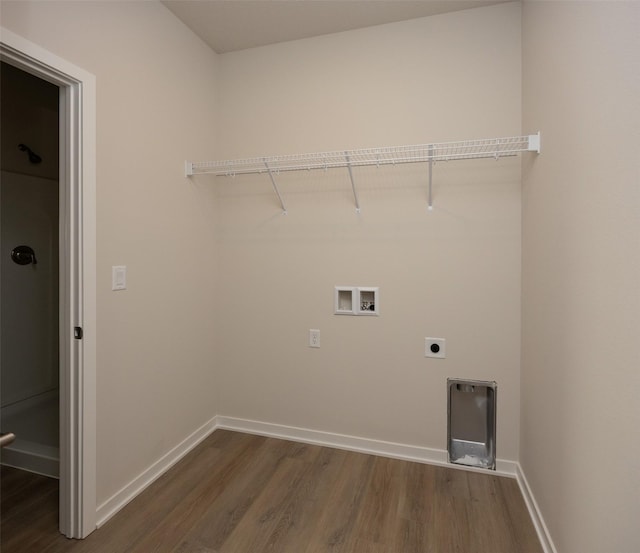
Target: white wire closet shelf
[419, 153]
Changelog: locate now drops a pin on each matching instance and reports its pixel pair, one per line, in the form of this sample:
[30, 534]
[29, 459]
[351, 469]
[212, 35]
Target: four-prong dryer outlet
[435, 347]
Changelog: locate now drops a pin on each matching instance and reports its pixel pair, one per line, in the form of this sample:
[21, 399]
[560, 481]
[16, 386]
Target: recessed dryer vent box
[471, 427]
[356, 300]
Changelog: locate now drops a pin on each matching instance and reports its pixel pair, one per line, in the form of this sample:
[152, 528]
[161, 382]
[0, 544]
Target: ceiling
[230, 25]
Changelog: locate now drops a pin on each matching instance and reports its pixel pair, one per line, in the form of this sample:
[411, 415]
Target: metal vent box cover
[471, 422]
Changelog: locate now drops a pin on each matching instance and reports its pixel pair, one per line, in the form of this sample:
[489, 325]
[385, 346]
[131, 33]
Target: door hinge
[77, 332]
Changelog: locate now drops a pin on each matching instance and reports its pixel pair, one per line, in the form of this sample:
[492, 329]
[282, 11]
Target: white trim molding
[534, 511]
[381, 448]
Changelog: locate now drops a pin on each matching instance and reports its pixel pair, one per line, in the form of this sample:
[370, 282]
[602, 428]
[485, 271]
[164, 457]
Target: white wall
[155, 108]
[452, 273]
[581, 273]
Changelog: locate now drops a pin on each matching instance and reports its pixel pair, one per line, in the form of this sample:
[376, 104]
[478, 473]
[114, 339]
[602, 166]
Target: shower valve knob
[23, 255]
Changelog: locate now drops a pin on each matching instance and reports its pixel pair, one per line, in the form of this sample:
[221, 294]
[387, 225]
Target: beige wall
[581, 273]
[452, 273]
[155, 108]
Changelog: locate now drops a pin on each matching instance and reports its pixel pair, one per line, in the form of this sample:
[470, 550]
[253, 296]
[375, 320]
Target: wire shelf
[420, 153]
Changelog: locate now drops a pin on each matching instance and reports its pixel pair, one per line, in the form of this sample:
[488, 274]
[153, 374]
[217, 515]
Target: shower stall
[29, 272]
[29, 320]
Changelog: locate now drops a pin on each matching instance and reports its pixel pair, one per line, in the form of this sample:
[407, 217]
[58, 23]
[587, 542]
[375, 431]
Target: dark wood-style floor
[238, 493]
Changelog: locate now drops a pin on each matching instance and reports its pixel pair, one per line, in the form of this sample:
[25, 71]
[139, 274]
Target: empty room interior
[342, 310]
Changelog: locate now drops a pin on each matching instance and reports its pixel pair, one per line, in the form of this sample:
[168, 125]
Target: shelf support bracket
[430, 199]
[534, 143]
[275, 187]
[353, 184]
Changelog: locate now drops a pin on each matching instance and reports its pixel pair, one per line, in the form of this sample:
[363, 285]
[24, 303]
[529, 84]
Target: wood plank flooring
[238, 493]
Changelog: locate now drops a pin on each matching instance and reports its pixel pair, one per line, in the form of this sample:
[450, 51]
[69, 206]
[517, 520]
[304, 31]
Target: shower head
[33, 157]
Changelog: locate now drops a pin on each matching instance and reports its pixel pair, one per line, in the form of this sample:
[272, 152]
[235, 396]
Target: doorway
[29, 251]
[77, 275]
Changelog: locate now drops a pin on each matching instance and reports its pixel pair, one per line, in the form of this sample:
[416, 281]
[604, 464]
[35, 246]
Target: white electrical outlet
[314, 338]
[435, 347]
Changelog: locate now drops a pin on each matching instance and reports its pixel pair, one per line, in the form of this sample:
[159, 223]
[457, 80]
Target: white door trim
[77, 276]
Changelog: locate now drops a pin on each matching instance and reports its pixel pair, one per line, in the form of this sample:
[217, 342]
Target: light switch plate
[119, 277]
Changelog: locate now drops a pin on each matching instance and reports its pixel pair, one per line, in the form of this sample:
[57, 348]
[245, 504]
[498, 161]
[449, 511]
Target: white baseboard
[353, 443]
[315, 437]
[117, 501]
[534, 511]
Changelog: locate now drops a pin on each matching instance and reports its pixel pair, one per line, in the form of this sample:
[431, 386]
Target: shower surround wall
[29, 216]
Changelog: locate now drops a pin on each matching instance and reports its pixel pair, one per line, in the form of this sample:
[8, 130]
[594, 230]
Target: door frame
[77, 516]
